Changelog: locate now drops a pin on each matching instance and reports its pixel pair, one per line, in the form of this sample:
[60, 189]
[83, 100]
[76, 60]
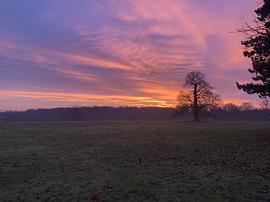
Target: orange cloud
[58, 99]
[91, 61]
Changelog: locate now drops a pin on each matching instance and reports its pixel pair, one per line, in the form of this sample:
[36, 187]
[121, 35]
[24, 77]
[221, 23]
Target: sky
[61, 53]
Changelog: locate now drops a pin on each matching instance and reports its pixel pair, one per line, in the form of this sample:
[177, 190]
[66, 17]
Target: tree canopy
[200, 97]
[257, 48]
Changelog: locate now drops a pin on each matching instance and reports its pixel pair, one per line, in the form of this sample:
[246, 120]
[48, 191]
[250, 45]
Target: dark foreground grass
[135, 162]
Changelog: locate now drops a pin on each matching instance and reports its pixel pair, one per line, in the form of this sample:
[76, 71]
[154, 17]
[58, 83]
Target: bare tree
[247, 106]
[231, 108]
[200, 97]
[265, 104]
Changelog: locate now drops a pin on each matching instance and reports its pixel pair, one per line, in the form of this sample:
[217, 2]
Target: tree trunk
[195, 102]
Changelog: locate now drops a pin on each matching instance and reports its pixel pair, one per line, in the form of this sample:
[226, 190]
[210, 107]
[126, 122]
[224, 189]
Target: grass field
[135, 162]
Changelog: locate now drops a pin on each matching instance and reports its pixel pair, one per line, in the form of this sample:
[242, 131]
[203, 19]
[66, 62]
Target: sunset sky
[59, 53]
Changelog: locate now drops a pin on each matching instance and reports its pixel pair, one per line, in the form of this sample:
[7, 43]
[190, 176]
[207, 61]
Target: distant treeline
[228, 113]
[91, 114]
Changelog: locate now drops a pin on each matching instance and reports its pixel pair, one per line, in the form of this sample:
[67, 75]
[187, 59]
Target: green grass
[135, 162]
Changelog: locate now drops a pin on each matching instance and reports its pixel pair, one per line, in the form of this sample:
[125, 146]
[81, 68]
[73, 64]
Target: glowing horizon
[110, 53]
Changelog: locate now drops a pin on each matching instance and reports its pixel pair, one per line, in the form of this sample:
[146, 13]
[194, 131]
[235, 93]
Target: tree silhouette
[199, 98]
[265, 104]
[247, 106]
[257, 48]
[231, 108]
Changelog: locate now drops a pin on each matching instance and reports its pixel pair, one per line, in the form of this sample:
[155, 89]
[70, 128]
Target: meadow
[135, 162]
